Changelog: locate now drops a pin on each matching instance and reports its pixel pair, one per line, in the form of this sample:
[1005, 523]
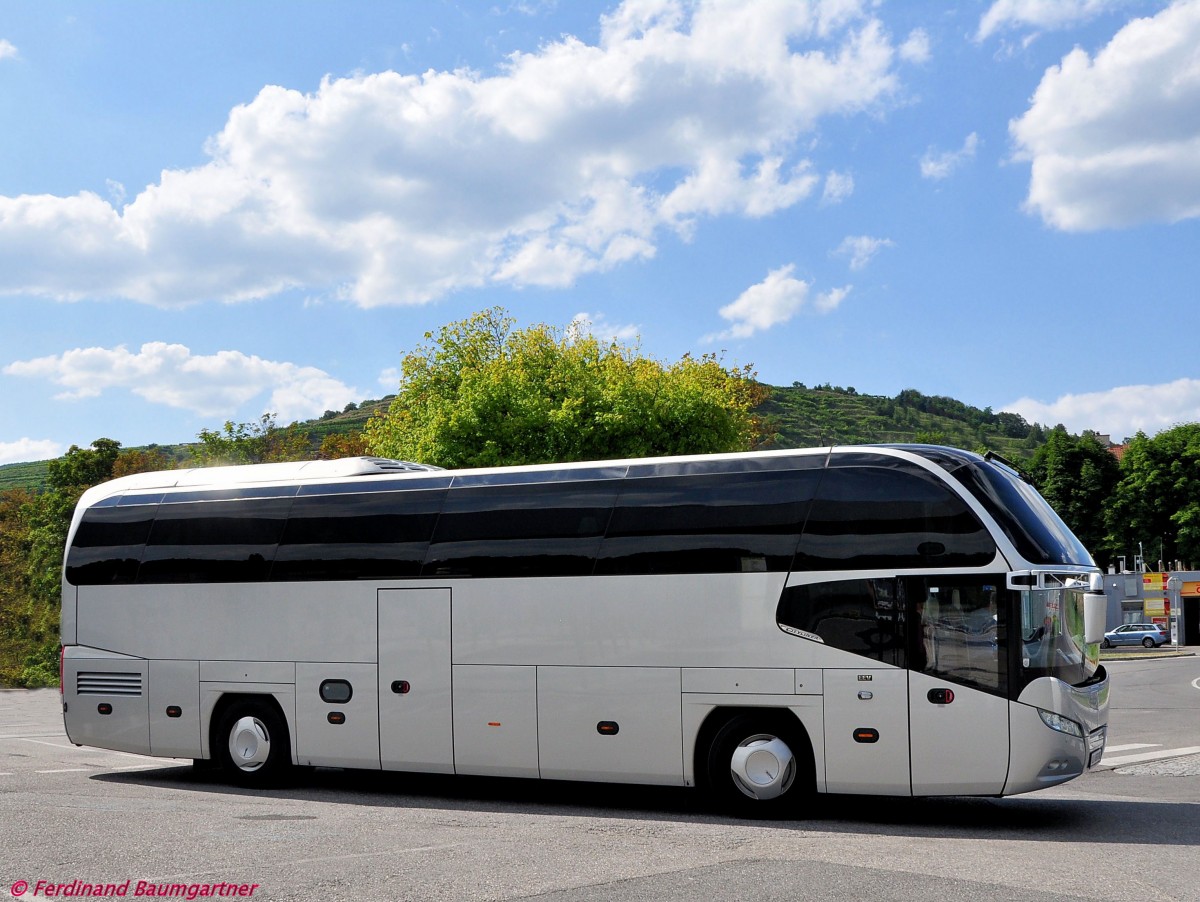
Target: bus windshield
[1052, 635]
[1036, 531]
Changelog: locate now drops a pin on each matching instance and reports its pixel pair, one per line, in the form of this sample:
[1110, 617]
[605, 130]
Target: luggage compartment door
[611, 723]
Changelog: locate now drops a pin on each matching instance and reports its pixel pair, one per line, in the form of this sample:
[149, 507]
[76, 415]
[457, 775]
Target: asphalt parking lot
[72, 816]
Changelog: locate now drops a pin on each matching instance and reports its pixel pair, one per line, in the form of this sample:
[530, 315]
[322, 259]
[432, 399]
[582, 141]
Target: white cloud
[1114, 140]
[935, 165]
[774, 300]
[861, 249]
[389, 188]
[7, 50]
[116, 192]
[828, 301]
[26, 449]
[210, 385]
[915, 48]
[601, 328]
[1120, 412]
[838, 186]
[390, 379]
[1040, 15]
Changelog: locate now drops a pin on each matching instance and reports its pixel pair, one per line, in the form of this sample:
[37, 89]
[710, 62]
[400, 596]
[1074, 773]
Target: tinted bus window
[214, 541]
[863, 616]
[893, 516]
[1034, 528]
[1036, 531]
[548, 529]
[952, 627]
[373, 536]
[108, 545]
[715, 523]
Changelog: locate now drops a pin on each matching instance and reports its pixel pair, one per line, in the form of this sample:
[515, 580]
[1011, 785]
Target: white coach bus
[890, 620]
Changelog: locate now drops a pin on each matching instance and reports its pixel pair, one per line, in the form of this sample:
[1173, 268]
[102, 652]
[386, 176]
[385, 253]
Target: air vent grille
[389, 465]
[96, 683]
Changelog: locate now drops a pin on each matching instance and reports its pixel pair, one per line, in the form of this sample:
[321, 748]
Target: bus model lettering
[721, 609]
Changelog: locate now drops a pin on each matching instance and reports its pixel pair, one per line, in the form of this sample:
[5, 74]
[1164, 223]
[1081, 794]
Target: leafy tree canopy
[1077, 475]
[1157, 501]
[257, 442]
[342, 444]
[148, 461]
[83, 466]
[481, 393]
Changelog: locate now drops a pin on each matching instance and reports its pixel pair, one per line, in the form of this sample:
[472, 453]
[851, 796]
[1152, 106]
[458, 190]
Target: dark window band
[735, 515]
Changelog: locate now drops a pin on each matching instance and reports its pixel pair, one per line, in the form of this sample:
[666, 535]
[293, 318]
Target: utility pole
[1174, 599]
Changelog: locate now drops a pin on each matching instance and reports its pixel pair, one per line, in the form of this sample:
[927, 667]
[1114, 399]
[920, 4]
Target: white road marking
[1149, 756]
[64, 770]
[74, 748]
[1131, 746]
[33, 726]
[57, 745]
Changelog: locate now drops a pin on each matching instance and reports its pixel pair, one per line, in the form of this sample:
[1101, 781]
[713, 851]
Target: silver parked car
[1150, 635]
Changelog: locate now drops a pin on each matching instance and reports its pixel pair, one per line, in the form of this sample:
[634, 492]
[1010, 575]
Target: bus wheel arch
[755, 762]
[250, 739]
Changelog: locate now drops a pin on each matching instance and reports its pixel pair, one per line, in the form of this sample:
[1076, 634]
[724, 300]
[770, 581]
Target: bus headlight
[1061, 724]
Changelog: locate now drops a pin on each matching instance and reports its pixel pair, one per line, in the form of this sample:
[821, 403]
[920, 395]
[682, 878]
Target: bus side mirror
[1095, 616]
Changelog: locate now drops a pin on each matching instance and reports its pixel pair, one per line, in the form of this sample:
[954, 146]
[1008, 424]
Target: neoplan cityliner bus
[891, 620]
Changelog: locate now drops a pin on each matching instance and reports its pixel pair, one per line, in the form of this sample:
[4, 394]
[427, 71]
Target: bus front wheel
[252, 743]
[759, 766]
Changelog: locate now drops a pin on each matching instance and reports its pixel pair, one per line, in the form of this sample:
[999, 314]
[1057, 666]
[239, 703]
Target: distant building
[1135, 597]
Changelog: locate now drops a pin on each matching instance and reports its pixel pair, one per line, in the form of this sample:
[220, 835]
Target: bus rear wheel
[252, 744]
[759, 766]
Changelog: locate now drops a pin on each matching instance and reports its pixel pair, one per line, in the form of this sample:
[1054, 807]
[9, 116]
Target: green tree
[342, 444]
[1157, 501]
[257, 442]
[1078, 475]
[22, 622]
[83, 466]
[931, 438]
[33, 531]
[130, 462]
[481, 393]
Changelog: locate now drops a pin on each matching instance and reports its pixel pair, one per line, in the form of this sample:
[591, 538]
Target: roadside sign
[1154, 602]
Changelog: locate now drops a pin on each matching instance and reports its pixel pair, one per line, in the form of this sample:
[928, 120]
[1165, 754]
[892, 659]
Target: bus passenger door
[415, 715]
[866, 731]
[957, 684]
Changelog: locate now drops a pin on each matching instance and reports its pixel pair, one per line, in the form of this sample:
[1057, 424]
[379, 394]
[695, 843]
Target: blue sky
[212, 210]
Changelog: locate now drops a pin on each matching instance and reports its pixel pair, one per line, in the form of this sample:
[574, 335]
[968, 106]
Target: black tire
[1148, 642]
[252, 745]
[760, 766]
[1104, 643]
